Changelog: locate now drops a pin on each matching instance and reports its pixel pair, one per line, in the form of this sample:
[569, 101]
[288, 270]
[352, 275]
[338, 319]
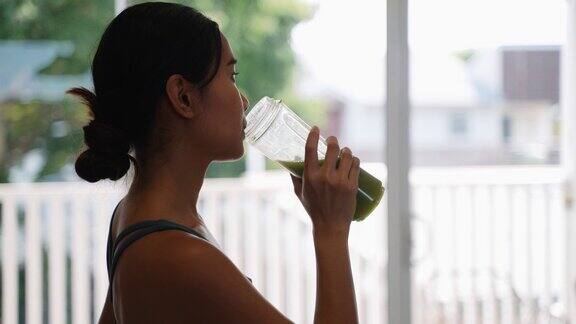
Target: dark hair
[139, 50]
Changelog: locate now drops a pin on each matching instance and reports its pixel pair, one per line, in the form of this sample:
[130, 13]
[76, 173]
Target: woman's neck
[168, 191]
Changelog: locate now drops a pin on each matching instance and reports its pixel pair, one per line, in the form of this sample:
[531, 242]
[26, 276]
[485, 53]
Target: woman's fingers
[354, 172]
[311, 150]
[345, 164]
[329, 165]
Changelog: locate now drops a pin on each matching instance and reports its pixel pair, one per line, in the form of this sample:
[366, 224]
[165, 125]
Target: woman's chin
[229, 156]
[233, 153]
[238, 151]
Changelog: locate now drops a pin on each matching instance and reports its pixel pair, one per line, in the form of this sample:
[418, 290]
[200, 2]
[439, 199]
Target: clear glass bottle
[280, 135]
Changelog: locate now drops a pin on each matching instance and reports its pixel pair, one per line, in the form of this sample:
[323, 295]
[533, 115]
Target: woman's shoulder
[172, 273]
[150, 275]
[164, 252]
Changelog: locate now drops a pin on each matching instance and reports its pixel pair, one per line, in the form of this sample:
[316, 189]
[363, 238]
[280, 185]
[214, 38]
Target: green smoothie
[370, 189]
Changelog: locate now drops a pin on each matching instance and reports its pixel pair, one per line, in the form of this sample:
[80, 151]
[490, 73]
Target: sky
[350, 60]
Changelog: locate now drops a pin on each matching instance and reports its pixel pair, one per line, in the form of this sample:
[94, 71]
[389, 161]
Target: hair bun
[93, 166]
[107, 156]
[105, 138]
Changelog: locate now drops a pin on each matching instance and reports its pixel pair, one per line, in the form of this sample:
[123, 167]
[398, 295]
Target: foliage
[79, 21]
[258, 32]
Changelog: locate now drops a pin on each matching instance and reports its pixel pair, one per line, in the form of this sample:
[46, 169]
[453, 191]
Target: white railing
[476, 260]
[494, 245]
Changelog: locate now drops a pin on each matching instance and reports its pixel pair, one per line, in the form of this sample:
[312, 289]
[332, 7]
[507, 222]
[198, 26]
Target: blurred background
[490, 203]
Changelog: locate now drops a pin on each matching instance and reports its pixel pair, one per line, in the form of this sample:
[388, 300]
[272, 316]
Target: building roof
[20, 62]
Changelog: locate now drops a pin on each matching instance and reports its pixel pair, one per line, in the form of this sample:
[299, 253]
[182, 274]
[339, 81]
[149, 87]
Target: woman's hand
[328, 192]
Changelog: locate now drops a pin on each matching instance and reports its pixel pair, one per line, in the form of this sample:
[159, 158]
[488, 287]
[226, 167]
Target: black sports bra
[115, 248]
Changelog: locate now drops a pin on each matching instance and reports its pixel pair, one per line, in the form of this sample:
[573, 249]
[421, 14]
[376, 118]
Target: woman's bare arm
[335, 296]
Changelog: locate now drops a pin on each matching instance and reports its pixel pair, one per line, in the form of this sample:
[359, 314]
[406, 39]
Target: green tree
[52, 128]
[79, 21]
[258, 31]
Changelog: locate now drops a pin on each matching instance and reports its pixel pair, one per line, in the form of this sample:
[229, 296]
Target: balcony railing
[490, 246]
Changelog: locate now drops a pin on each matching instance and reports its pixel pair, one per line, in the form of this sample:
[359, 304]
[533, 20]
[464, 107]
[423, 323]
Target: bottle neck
[260, 118]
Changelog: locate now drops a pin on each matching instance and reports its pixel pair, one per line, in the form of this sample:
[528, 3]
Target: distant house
[20, 62]
[495, 106]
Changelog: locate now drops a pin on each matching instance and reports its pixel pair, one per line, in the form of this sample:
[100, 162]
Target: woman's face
[222, 121]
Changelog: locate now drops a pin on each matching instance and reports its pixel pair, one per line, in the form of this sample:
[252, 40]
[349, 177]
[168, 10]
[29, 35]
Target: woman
[164, 90]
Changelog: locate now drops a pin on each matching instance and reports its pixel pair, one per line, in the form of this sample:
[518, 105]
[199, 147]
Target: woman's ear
[182, 96]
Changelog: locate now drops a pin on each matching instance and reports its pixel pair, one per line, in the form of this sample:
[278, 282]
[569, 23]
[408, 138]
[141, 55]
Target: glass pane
[485, 85]
[323, 58]
[495, 64]
[341, 60]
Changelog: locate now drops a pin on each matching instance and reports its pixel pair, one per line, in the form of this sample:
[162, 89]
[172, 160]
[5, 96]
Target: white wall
[363, 129]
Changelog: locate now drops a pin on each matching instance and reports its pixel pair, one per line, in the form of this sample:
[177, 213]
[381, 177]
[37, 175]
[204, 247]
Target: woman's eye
[234, 76]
